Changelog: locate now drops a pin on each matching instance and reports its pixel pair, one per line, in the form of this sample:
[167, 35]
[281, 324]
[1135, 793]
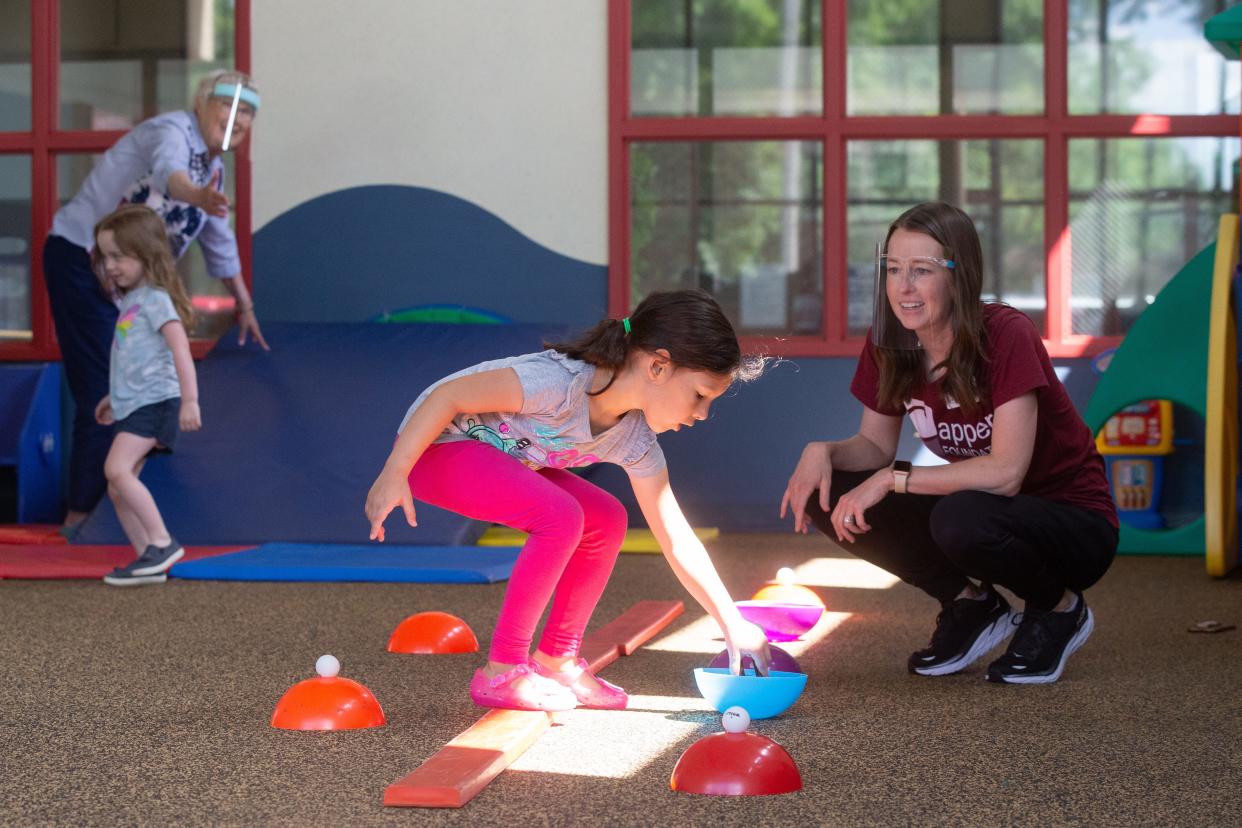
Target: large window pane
[726, 57]
[1140, 208]
[212, 302]
[999, 183]
[14, 247]
[1129, 56]
[929, 57]
[14, 66]
[742, 220]
[126, 60]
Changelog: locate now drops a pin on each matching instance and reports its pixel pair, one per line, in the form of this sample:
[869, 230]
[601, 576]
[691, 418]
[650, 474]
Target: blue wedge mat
[292, 439]
[320, 562]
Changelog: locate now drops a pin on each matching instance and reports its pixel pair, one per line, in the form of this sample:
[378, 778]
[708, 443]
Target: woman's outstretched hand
[387, 493]
[814, 471]
[746, 639]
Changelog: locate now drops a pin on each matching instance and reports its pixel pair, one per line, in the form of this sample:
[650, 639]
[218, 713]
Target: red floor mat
[68, 561]
[29, 534]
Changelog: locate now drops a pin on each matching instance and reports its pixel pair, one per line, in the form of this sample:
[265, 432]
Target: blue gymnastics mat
[293, 438]
[376, 562]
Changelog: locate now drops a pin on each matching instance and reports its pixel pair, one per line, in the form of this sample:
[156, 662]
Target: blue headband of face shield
[228, 90]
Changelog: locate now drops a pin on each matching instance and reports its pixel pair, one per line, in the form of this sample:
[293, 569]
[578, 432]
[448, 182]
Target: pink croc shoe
[608, 697]
[534, 694]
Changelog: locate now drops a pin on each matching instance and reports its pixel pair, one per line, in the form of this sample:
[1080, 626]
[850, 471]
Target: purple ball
[781, 660]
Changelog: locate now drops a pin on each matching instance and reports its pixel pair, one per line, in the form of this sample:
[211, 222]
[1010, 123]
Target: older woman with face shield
[171, 163]
[1022, 503]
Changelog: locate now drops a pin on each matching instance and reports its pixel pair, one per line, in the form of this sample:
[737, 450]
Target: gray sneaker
[150, 568]
[156, 560]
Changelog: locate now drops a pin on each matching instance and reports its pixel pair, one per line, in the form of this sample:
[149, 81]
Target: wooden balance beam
[476, 756]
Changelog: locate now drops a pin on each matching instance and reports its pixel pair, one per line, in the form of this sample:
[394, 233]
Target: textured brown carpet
[151, 706]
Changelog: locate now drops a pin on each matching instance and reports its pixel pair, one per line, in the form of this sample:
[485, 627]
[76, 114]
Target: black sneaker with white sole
[1042, 644]
[965, 630]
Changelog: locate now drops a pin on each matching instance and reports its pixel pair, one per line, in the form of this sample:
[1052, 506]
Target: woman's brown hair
[902, 371]
[139, 232]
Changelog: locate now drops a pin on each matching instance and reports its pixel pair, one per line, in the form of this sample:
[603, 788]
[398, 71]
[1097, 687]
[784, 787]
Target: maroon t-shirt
[1065, 466]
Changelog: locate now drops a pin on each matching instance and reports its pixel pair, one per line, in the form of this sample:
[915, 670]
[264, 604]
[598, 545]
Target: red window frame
[1055, 127]
[45, 140]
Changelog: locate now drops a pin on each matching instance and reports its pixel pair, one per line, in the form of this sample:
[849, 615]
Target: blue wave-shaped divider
[351, 254]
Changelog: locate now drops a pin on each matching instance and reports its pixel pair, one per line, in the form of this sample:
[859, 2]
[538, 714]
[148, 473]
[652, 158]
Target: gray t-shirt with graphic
[142, 370]
[553, 428]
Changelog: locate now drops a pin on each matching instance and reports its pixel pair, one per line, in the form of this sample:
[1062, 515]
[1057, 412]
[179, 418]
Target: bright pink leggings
[576, 530]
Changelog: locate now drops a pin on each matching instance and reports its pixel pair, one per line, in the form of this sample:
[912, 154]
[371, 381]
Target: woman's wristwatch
[901, 475]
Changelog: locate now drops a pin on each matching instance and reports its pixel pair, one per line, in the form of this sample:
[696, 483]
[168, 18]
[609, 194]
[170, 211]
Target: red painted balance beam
[465, 766]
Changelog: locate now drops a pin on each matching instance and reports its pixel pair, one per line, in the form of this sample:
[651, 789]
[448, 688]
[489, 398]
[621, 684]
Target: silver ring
[848, 519]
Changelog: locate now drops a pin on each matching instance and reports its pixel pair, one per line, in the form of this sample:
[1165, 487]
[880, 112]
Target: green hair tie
[625, 323]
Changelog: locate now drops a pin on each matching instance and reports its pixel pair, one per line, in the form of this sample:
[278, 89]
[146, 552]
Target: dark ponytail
[689, 324]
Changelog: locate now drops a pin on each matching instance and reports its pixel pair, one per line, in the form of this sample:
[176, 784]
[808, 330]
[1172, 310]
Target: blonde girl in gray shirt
[153, 388]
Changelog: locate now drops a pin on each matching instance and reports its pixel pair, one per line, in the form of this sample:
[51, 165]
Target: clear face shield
[887, 331]
[243, 102]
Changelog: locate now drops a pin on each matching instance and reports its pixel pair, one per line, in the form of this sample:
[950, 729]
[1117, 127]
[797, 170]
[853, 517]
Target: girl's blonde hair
[139, 232]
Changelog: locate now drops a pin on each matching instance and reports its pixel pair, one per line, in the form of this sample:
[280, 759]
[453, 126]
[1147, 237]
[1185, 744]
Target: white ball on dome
[735, 719]
[327, 666]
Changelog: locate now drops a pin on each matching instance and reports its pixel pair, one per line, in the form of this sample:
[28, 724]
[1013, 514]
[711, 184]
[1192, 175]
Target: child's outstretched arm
[191, 417]
[694, 568]
[498, 390]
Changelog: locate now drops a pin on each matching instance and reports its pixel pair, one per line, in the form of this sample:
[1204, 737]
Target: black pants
[85, 321]
[1033, 547]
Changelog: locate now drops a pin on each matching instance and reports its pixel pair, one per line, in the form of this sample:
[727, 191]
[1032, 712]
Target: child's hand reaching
[746, 639]
[191, 418]
[103, 411]
[387, 492]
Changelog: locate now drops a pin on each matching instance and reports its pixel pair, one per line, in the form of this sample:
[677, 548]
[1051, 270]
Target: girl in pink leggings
[494, 442]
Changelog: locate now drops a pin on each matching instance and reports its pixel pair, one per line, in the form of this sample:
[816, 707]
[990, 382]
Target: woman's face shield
[886, 329]
[243, 103]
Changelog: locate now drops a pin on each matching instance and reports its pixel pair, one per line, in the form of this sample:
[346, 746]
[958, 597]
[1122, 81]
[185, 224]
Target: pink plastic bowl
[780, 621]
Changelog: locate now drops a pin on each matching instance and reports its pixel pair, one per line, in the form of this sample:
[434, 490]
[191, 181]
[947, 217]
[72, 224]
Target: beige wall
[499, 102]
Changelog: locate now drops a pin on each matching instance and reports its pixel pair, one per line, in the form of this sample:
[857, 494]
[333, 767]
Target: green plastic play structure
[1224, 31]
[1184, 349]
[1154, 362]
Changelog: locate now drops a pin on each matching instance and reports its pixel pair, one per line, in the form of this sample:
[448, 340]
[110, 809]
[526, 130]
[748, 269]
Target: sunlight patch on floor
[828, 622]
[702, 636]
[699, 636]
[852, 573]
[619, 744]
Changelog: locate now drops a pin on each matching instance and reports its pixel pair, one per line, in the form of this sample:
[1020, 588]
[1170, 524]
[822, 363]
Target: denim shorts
[161, 420]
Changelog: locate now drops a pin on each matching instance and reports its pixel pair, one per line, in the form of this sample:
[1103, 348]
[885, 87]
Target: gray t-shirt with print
[553, 428]
[142, 370]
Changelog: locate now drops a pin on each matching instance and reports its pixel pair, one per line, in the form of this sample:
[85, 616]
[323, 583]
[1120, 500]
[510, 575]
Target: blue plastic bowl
[762, 696]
